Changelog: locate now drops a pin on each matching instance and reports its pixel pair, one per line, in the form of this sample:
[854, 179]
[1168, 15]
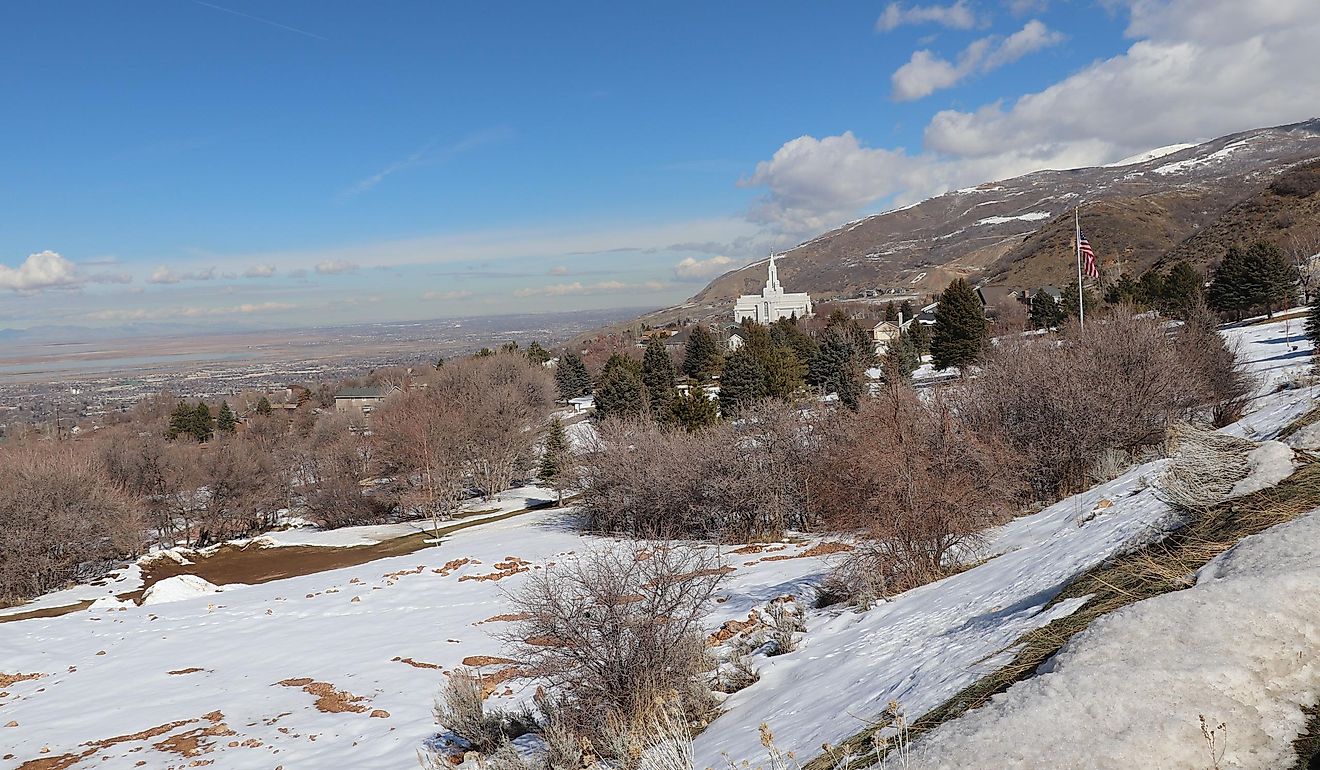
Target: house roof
[372, 392]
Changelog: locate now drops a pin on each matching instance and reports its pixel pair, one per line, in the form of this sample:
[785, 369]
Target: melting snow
[1033, 216]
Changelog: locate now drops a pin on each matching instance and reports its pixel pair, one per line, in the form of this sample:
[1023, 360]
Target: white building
[773, 303]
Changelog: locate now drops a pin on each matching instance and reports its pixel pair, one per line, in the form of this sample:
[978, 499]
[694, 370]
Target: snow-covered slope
[1238, 650]
[339, 669]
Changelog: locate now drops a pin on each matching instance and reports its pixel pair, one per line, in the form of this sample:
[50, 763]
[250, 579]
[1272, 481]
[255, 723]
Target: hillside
[1017, 232]
[339, 668]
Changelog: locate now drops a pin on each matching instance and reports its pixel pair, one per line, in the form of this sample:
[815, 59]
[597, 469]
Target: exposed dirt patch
[416, 663]
[732, 628]
[511, 565]
[476, 661]
[182, 671]
[328, 699]
[9, 679]
[511, 617]
[195, 742]
[450, 566]
[820, 549]
[379, 714]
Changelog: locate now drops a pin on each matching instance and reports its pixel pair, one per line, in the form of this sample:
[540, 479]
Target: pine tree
[891, 311]
[225, 421]
[537, 354]
[556, 461]
[786, 331]
[693, 410]
[701, 355]
[571, 377]
[1181, 291]
[785, 373]
[181, 421]
[1150, 288]
[509, 347]
[905, 310]
[620, 393]
[960, 327]
[1124, 290]
[1068, 301]
[906, 356]
[202, 426]
[742, 383]
[839, 367]
[263, 407]
[1313, 324]
[1045, 311]
[1250, 278]
[658, 378]
[920, 333]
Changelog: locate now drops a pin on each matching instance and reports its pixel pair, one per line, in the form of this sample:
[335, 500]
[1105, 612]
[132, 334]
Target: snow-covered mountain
[1135, 211]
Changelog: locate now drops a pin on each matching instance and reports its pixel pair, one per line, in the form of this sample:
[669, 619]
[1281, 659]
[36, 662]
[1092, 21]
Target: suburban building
[773, 303]
[361, 401]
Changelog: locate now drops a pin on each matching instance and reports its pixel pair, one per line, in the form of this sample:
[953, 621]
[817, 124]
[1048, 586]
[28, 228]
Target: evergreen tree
[1068, 301]
[439, 363]
[840, 367]
[263, 407]
[786, 331]
[891, 311]
[906, 355]
[1181, 291]
[658, 378]
[905, 310]
[620, 393]
[202, 426]
[225, 421]
[537, 354]
[620, 361]
[960, 327]
[181, 420]
[701, 355]
[920, 334]
[1313, 324]
[1150, 289]
[483, 353]
[509, 347]
[785, 373]
[742, 383]
[1250, 278]
[556, 462]
[1045, 311]
[693, 410]
[571, 377]
[1125, 289]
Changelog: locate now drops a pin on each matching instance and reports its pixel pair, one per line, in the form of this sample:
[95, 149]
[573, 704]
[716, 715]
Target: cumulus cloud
[43, 270]
[335, 267]
[958, 15]
[577, 288]
[927, 72]
[1197, 69]
[814, 183]
[259, 271]
[166, 275]
[693, 269]
[447, 295]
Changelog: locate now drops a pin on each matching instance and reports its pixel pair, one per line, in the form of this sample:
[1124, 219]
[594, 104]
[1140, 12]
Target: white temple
[773, 303]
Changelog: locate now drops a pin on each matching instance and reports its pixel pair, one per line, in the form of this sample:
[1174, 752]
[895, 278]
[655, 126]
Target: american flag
[1088, 256]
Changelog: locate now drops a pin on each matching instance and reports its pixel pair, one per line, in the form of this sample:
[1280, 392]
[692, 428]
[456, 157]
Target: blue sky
[297, 163]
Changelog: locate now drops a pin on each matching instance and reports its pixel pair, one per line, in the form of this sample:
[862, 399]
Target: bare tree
[61, 518]
[418, 435]
[617, 631]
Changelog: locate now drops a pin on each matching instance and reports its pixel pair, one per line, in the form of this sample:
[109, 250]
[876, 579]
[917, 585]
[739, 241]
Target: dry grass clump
[1203, 467]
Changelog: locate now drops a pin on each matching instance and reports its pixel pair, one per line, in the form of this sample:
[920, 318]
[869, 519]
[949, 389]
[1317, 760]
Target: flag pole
[1077, 248]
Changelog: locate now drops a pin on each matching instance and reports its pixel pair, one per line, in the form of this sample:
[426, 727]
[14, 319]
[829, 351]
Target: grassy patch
[1164, 566]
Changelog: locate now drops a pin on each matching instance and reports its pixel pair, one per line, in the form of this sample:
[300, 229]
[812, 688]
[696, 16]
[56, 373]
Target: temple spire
[772, 282]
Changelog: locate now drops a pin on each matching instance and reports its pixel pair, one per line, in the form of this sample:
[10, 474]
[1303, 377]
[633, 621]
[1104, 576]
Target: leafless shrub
[914, 483]
[332, 470]
[1203, 468]
[61, 518]
[462, 710]
[617, 633]
[1062, 402]
[785, 623]
[735, 673]
[736, 481]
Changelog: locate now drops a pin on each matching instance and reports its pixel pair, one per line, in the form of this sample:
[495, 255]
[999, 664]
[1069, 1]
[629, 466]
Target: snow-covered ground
[339, 668]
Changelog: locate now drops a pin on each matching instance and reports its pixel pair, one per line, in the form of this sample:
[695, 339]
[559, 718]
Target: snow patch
[178, 588]
[1031, 216]
[1148, 155]
[1270, 463]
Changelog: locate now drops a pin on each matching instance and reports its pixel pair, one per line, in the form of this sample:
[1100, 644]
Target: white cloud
[691, 268]
[335, 267]
[43, 270]
[558, 270]
[815, 183]
[153, 314]
[959, 15]
[447, 295]
[259, 271]
[1201, 68]
[166, 275]
[109, 278]
[577, 288]
[926, 72]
